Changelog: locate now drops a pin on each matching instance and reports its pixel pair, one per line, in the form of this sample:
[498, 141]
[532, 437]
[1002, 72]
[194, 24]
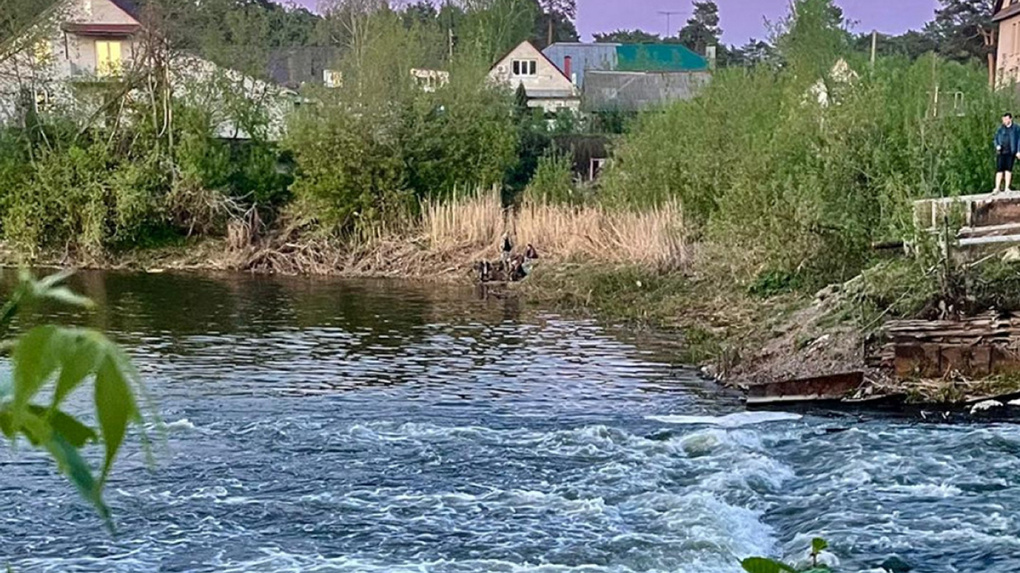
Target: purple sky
[741, 19]
[744, 19]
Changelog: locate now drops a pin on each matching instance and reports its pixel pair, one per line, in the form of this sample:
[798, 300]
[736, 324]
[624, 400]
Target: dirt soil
[808, 343]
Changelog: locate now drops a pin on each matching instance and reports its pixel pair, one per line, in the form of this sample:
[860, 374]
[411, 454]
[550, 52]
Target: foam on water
[735, 420]
[320, 428]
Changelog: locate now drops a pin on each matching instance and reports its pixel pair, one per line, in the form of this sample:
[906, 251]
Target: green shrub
[805, 188]
[553, 181]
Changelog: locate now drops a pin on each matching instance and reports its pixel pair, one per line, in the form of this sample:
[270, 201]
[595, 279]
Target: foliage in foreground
[57, 361]
[763, 565]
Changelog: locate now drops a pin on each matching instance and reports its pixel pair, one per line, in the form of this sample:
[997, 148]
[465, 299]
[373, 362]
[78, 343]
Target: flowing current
[323, 426]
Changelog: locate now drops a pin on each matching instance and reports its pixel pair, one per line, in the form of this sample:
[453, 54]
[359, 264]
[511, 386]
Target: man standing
[1007, 148]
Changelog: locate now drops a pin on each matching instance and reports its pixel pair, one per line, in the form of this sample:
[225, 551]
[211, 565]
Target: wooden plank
[832, 387]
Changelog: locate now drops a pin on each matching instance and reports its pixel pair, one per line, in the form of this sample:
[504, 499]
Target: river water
[318, 426]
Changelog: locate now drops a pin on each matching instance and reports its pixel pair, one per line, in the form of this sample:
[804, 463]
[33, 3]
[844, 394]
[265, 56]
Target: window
[42, 100]
[596, 167]
[42, 51]
[332, 78]
[108, 58]
[525, 67]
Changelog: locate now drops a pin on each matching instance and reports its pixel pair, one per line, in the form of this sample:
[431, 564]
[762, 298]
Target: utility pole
[874, 47]
[669, 14]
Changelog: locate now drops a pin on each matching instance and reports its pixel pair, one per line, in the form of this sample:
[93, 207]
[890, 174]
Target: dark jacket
[1007, 139]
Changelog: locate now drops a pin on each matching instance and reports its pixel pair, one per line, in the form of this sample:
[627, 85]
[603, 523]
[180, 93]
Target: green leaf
[64, 295]
[46, 283]
[762, 565]
[76, 433]
[70, 463]
[6, 423]
[34, 363]
[115, 407]
[818, 545]
[80, 358]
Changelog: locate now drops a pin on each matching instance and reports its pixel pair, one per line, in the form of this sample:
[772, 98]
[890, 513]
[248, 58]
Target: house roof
[639, 91]
[102, 30]
[1003, 12]
[658, 58]
[533, 47]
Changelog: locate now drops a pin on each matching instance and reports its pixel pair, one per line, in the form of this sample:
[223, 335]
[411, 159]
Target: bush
[350, 167]
[759, 163]
[553, 181]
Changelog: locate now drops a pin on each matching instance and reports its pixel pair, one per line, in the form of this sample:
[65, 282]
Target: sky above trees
[741, 19]
[744, 19]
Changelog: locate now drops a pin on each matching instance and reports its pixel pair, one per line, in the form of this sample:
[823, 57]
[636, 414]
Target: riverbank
[718, 312]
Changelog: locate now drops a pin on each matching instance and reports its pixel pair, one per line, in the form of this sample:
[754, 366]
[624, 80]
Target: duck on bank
[509, 267]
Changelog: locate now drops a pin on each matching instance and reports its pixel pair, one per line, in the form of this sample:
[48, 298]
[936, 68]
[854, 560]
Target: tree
[628, 37]
[555, 22]
[964, 31]
[812, 37]
[551, 28]
[702, 29]
[911, 44]
[420, 13]
[752, 53]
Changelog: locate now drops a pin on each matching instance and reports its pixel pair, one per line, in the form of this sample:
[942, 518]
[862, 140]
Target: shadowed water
[372, 426]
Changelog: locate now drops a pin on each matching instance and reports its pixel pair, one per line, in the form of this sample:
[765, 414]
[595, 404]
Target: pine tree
[702, 30]
[963, 30]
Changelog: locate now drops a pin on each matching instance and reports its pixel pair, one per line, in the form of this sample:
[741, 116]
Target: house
[575, 59]
[71, 43]
[621, 91]
[659, 58]
[630, 77]
[547, 87]
[1007, 17]
[430, 81]
[77, 49]
[296, 67]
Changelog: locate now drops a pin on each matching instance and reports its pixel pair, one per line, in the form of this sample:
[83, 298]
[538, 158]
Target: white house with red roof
[547, 86]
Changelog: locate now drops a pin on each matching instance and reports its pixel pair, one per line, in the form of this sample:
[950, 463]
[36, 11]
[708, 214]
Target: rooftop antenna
[669, 14]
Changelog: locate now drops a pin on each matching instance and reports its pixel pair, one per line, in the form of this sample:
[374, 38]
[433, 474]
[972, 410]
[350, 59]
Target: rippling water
[371, 426]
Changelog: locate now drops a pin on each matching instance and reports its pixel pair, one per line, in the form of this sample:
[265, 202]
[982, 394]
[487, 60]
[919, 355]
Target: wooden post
[874, 47]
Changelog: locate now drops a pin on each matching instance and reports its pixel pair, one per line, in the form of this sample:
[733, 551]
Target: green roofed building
[658, 58]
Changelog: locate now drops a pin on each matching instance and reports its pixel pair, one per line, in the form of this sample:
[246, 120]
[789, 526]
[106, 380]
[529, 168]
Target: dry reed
[653, 238]
[449, 237]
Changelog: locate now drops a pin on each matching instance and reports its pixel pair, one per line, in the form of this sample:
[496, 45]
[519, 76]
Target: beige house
[61, 64]
[1007, 17]
[74, 42]
[547, 87]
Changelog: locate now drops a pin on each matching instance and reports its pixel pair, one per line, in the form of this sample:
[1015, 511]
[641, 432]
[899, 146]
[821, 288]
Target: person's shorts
[1004, 162]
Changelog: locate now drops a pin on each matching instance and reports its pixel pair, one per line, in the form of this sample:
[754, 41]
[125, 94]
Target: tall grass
[653, 238]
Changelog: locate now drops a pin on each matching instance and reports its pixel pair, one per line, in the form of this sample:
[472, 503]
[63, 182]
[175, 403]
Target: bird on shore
[530, 253]
[506, 250]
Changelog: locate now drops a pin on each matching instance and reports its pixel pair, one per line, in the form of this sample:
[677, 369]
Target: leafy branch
[64, 359]
[763, 565]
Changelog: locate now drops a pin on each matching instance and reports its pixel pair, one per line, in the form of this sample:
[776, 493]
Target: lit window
[525, 67]
[42, 100]
[108, 58]
[42, 51]
[332, 78]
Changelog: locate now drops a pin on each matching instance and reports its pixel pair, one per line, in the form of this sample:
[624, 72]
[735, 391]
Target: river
[316, 425]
